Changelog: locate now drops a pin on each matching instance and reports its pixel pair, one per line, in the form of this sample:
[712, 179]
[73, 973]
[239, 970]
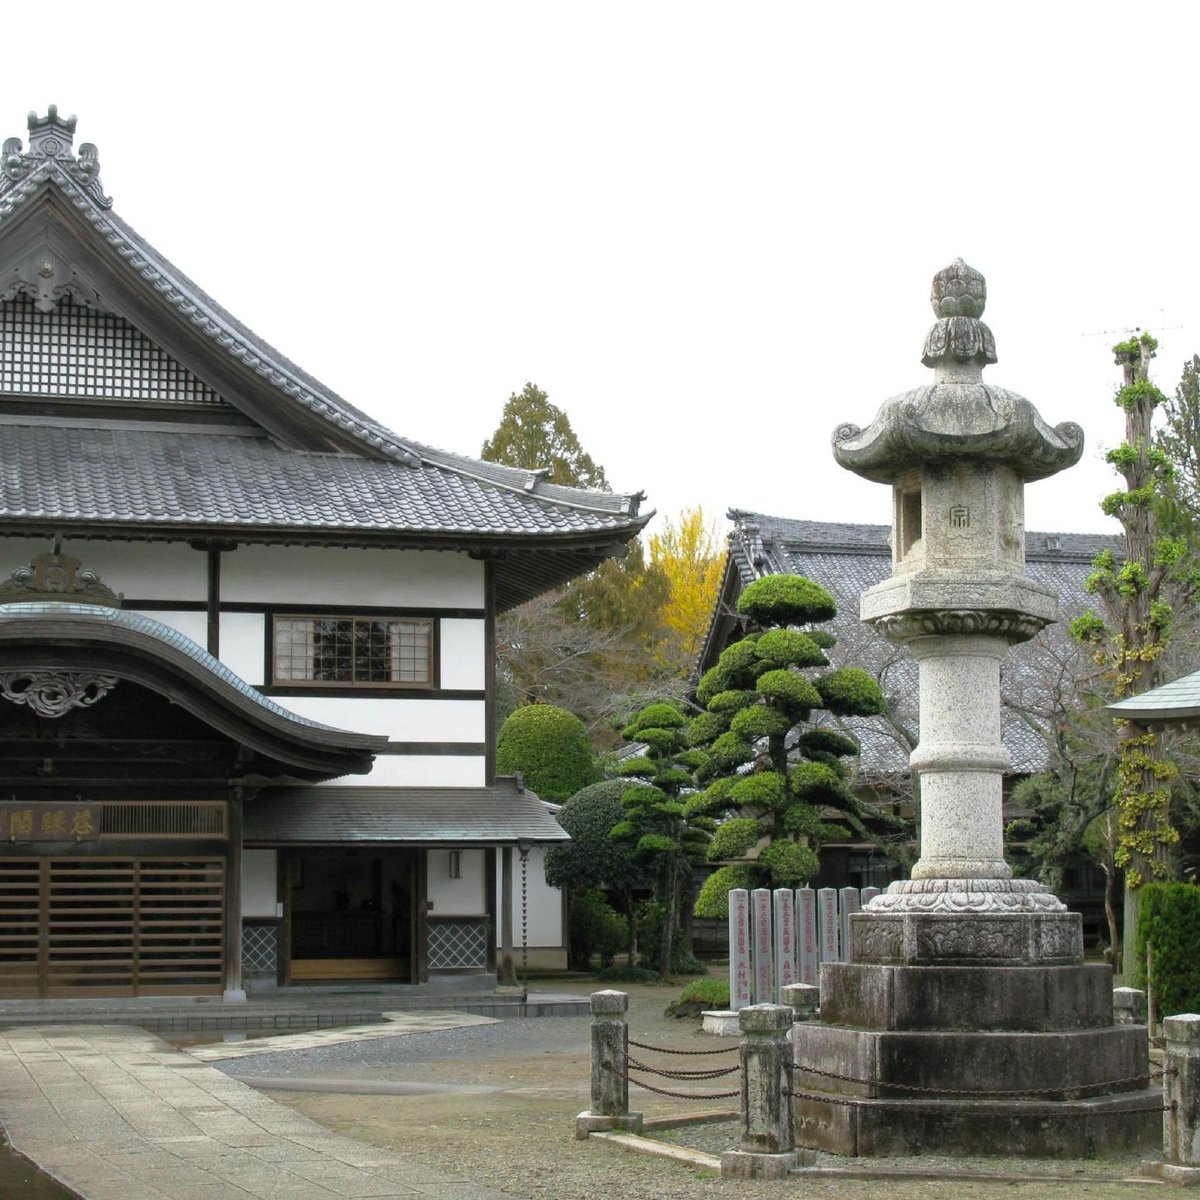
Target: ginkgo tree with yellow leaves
[688, 552]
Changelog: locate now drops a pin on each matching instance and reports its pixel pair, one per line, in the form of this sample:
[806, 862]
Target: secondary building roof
[1175, 703]
[846, 559]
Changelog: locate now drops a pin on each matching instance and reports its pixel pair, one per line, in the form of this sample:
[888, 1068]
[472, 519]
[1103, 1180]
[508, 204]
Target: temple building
[247, 681]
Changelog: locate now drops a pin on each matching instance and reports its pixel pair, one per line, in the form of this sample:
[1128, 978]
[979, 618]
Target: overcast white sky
[708, 231]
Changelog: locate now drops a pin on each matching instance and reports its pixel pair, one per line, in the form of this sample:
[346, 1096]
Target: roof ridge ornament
[51, 140]
[56, 576]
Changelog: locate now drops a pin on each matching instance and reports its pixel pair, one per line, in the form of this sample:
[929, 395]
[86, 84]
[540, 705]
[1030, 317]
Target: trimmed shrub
[851, 692]
[791, 690]
[1169, 922]
[705, 727]
[549, 747]
[790, 863]
[786, 600]
[592, 858]
[654, 716]
[816, 783]
[763, 789]
[712, 993]
[790, 648]
[759, 721]
[732, 700]
[713, 900]
[827, 741]
[733, 838]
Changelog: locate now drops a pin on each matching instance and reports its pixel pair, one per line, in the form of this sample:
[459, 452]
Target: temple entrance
[355, 914]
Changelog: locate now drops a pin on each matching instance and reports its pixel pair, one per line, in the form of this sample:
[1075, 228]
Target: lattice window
[76, 352]
[260, 950]
[354, 651]
[458, 945]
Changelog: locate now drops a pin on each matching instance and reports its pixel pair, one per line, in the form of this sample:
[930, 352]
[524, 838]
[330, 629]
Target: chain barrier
[672, 1050]
[634, 1065]
[977, 1093]
[683, 1095]
[827, 1098]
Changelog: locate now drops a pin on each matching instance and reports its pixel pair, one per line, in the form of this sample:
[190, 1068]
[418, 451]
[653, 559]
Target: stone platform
[957, 1059]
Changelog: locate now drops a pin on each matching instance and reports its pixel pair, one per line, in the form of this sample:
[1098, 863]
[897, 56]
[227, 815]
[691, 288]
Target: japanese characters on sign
[37, 822]
[739, 949]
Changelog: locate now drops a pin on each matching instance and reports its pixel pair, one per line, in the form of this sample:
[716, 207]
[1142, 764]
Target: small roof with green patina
[1176, 703]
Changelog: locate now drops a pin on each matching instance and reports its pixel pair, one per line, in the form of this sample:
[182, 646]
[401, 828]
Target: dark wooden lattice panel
[20, 900]
[90, 926]
[111, 926]
[181, 912]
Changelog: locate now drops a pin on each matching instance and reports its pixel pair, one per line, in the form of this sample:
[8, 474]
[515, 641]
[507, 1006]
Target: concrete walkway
[115, 1114]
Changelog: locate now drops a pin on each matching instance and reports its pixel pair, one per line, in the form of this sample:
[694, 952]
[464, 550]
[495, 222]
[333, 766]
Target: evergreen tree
[549, 747]
[666, 839]
[535, 434]
[770, 771]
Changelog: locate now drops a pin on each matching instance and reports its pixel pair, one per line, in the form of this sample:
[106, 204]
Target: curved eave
[72, 641]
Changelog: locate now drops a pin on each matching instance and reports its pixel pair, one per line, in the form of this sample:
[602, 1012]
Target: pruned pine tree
[769, 772]
[667, 840]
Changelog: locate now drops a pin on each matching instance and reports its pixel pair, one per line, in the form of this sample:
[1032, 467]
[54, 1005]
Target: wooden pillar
[234, 991]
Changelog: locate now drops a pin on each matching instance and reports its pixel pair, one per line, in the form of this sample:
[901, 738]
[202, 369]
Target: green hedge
[550, 747]
[1169, 922]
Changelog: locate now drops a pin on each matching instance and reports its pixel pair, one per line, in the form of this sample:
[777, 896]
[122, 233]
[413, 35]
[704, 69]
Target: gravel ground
[519, 1134]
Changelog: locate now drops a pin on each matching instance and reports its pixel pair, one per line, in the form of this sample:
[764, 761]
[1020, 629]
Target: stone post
[768, 1127]
[610, 1064]
[804, 999]
[1181, 1101]
[1129, 1006]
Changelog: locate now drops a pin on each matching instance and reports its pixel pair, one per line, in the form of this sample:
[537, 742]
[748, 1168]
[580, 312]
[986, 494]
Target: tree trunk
[1133, 906]
[1110, 915]
[668, 926]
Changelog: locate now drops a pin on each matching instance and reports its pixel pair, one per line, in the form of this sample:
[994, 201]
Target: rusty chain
[634, 1065]
[978, 1093]
[683, 1095]
[671, 1050]
[844, 1102]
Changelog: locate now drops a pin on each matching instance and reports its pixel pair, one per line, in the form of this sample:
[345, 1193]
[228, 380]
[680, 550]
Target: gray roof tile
[1177, 701]
[124, 473]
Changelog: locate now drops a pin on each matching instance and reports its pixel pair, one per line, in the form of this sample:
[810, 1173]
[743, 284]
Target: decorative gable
[66, 350]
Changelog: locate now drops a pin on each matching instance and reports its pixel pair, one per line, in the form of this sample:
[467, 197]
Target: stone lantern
[965, 995]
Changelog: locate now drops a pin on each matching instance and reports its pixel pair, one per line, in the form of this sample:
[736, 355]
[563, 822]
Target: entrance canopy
[506, 814]
[60, 656]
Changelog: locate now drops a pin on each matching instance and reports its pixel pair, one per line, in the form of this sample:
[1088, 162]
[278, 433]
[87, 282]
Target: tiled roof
[500, 815]
[130, 473]
[1177, 701]
[117, 473]
[848, 558]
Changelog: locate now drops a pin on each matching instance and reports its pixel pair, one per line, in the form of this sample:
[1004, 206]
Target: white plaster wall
[464, 897]
[139, 570]
[243, 645]
[420, 770]
[190, 624]
[463, 653]
[403, 720]
[545, 926]
[329, 575]
[258, 883]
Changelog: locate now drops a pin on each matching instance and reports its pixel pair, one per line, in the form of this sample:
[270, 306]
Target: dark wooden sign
[49, 822]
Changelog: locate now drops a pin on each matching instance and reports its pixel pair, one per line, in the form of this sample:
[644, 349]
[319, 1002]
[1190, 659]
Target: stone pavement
[115, 1114]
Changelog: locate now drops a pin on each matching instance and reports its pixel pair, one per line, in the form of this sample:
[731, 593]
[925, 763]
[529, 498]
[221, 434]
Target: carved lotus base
[966, 896]
[990, 938]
